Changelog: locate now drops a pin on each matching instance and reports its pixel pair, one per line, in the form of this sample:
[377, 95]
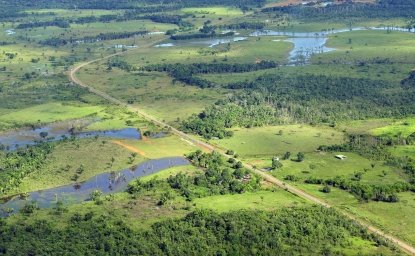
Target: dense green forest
[25, 160]
[302, 98]
[310, 230]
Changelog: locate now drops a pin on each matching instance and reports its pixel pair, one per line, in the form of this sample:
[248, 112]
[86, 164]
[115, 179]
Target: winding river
[107, 183]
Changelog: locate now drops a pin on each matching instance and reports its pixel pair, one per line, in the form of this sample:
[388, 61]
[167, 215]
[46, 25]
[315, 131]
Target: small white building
[341, 157]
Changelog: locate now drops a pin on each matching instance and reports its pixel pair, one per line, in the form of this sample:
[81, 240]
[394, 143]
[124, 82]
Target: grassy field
[168, 146]
[261, 200]
[395, 218]
[154, 92]
[69, 156]
[267, 141]
[325, 165]
[35, 99]
[92, 29]
[190, 51]
[403, 128]
[218, 10]
[367, 46]
[216, 14]
[50, 112]
[74, 13]
[403, 151]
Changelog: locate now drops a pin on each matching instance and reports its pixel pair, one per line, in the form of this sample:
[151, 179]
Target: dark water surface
[106, 182]
[55, 132]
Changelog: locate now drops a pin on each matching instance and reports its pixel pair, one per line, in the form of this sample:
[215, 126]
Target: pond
[211, 42]
[10, 32]
[107, 183]
[57, 131]
[306, 44]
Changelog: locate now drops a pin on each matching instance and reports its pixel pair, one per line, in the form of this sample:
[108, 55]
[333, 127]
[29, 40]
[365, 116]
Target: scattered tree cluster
[218, 178]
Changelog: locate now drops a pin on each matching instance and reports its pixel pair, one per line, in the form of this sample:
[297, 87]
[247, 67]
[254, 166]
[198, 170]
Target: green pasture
[214, 10]
[325, 165]
[94, 154]
[369, 46]
[401, 128]
[248, 51]
[99, 155]
[64, 13]
[169, 146]
[261, 200]
[217, 15]
[276, 140]
[47, 113]
[93, 29]
[403, 151]
[393, 218]
[153, 92]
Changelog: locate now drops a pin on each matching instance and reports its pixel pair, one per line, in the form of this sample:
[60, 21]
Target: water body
[75, 193]
[164, 45]
[211, 42]
[10, 32]
[156, 33]
[306, 44]
[58, 131]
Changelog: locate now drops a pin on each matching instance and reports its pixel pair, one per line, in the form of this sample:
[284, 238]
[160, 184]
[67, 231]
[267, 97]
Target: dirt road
[72, 76]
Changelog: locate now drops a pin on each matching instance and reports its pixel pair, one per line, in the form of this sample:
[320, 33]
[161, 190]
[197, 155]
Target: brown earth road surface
[129, 147]
[72, 76]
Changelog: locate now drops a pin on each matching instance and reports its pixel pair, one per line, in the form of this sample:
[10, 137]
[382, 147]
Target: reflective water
[211, 42]
[75, 193]
[10, 32]
[58, 131]
[305, 44]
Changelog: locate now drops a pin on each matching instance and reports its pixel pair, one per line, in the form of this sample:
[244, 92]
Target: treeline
[289, 231]
[123, 4]
[324, 98]
[119, 63]
[91, 19]
[128, 15]
[16, 165]
[366, 192]
[217, 178]
[243, 25]
[185, 72]
[301, 98]
[61, 23]
[410, 80]
[380, 9]
[170, 19]
[56, 41]
[372, 148]
[215, 121]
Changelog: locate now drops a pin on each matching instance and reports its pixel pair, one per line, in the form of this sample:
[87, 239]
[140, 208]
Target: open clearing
[276, 140]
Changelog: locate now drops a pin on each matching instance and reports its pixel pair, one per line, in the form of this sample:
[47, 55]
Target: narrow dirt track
[73, 78]
[129, 147]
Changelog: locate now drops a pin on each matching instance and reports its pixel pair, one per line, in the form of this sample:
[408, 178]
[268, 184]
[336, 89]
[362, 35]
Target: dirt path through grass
[129, 147]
